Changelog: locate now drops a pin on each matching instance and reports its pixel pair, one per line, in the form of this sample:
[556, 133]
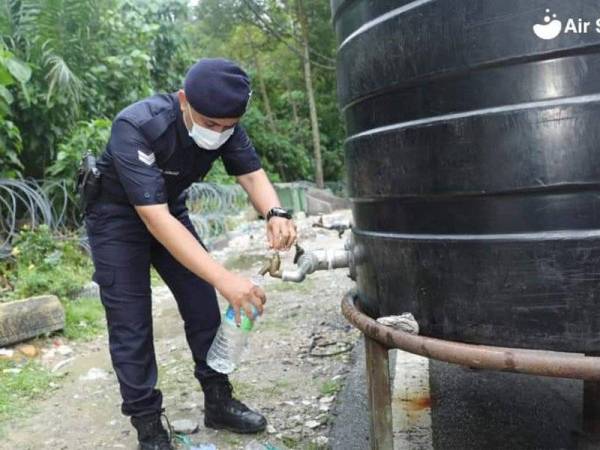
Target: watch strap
[278, 212]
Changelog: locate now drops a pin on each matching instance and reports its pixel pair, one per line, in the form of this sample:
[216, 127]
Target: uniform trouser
[123, 250]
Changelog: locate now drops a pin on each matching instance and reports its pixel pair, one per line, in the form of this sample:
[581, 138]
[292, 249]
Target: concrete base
[322, 201]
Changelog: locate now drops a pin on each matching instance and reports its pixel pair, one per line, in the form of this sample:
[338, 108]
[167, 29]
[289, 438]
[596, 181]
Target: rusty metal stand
[380, 395]
[379, 339]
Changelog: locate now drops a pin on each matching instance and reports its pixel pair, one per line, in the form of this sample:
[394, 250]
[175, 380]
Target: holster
[89, 181]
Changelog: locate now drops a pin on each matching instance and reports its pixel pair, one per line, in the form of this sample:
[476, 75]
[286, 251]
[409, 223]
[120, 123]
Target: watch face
[280, 212]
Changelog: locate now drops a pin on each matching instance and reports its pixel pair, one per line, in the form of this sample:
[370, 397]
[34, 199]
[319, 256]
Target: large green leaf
[6, 95]
[5, 77]
[18, 69]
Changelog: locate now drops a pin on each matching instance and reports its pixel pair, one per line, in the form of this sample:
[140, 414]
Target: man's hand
[281, 233]
[240, 292]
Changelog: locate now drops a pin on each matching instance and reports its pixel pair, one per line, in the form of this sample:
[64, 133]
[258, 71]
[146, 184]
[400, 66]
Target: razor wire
[54, 203]
[212, 206]
[22, 202]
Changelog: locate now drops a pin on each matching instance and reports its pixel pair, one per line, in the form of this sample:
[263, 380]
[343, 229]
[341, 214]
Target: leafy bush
[12, 71]
[44, 263]
[87, 136]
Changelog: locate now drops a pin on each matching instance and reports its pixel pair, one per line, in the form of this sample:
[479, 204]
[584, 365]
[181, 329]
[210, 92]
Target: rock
[64, 350]
[185, 426]
[271, 429]
[297, 419]
[328, 399]
[95, 373]
[90, 290]
[62, 364]
[48, 353]
[322, 440]
[324, 407]
[312, 424]
[6, 353]
[205, 447]
[188, 406]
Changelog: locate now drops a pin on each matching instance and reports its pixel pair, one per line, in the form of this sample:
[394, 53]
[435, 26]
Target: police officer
[157, 148]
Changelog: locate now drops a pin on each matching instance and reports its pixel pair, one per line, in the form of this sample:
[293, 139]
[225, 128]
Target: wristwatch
[278, 212]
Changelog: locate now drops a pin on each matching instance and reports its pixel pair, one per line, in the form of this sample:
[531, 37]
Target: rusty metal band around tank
[534, 362]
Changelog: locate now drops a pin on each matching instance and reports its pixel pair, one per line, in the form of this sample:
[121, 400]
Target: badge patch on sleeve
[146, 159]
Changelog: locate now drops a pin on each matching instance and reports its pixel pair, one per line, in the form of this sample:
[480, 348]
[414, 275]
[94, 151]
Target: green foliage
[282, 153]
[38, 254]
[84, 319]
[330, 387]
[90, 59]
[19, 384]
[270, 49]
[218, 174]
[171, 51]
[10, 147]
[90, 136]
[12, 71]
[68, 65]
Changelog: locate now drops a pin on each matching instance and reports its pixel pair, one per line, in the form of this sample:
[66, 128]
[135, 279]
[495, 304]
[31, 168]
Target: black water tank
[473, 161]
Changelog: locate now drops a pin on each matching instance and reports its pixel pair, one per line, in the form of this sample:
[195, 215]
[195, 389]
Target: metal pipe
[310, 262]
[534, 362]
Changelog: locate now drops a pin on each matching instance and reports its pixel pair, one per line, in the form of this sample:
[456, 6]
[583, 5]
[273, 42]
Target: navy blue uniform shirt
[151, 159]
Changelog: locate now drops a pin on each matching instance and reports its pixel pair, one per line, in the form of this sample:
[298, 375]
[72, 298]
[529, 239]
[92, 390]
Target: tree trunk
[292, 102]
[31, 317]
[314, 120]
[263, 92]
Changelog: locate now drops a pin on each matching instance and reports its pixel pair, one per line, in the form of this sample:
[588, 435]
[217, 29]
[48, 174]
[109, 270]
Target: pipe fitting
[310, 262]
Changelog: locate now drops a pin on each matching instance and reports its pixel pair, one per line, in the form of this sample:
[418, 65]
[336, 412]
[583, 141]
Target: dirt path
[279, 376]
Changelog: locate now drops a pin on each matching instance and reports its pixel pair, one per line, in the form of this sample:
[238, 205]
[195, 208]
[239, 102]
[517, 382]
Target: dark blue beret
[217, 87]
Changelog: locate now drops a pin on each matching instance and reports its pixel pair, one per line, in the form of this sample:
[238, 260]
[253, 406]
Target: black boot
[151, 433]
[222, 411]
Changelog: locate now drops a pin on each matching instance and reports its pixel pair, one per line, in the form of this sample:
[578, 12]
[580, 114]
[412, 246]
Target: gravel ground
[282, 374]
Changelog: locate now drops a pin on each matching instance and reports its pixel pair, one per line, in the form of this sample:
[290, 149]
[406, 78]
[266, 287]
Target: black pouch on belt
[88, 181]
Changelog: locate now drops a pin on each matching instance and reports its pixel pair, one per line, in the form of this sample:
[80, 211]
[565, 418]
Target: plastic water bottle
[230, 342]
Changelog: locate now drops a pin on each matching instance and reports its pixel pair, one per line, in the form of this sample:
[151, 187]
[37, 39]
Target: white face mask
[207, 138]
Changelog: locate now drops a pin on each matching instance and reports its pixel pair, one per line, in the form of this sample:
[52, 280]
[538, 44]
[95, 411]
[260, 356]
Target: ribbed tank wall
[473, 162]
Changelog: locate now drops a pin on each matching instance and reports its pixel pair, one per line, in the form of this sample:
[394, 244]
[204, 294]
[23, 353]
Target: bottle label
[246, 323]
